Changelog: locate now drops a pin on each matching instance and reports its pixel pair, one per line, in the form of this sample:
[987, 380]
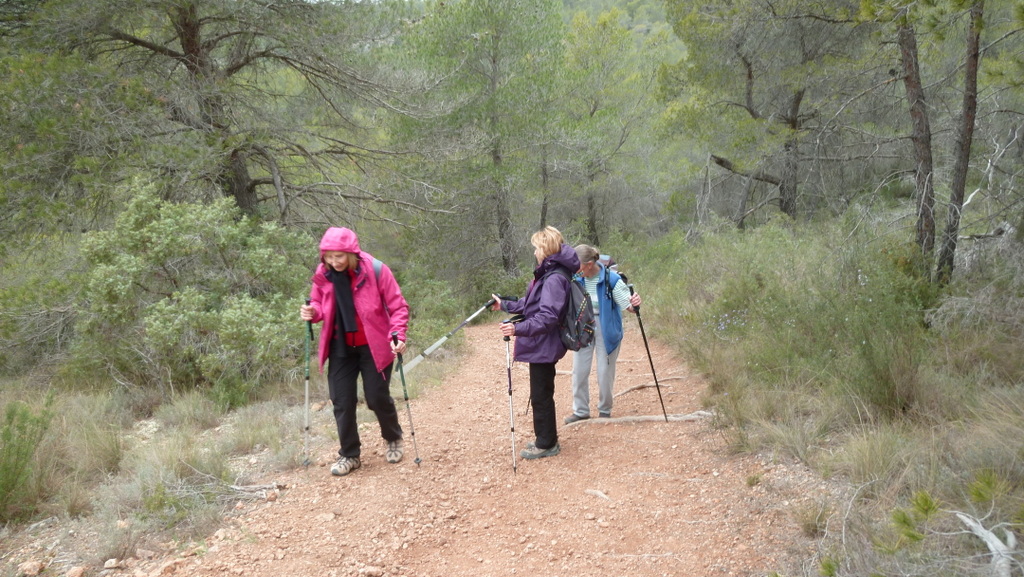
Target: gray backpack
[576, 327]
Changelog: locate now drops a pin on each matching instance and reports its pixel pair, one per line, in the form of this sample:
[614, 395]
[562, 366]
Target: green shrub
[188, 294]
[23, 429]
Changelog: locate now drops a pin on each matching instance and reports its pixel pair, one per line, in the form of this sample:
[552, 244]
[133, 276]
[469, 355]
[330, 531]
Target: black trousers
[342, 376]
[542, 399]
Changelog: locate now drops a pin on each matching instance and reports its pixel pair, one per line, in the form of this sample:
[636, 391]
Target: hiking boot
[605, 415]
[532, 452]
[344, 466]
[573, 418]
[395, 451]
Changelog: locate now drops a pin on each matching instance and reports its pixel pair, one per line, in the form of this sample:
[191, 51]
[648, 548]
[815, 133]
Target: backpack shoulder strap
[377, 266]
[608, 285]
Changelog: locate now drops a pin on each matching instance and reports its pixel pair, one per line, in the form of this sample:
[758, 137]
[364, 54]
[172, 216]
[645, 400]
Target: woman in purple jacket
[537, 340]
[360, 311]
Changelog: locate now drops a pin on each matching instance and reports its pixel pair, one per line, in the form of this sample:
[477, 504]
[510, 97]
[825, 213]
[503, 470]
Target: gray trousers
[581, 363]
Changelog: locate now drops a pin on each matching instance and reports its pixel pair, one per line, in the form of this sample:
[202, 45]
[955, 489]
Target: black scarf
[345, 308]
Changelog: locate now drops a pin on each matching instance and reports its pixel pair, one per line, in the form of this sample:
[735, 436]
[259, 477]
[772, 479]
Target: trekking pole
[441, 341]
[636, 309]
[305, 442]
[405, 391]
[511, 411]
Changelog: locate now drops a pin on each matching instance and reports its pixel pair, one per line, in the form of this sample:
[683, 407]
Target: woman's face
[336, 259]
[539, 254]
[588, 269]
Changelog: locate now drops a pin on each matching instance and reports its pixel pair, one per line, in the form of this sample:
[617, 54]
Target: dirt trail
[622, 498]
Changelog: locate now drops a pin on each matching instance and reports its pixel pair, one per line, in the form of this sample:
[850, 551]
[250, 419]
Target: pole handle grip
[514, 319]
[636, 309]
[394, 339]
[309, 324]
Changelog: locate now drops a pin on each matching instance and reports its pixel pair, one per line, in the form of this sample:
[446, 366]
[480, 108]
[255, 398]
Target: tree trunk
[702, 212]
[962, 152]
[544, 183]
[235, 180]
[592, 216]
[921, 136]
[237, 183]
[503, 212]
[741, 210]
[787, 188]
[790, 160]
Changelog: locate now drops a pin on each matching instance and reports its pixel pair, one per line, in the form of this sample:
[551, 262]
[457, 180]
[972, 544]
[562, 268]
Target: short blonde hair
[548, 240]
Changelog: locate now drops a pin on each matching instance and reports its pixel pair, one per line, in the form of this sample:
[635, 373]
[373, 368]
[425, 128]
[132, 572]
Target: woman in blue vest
[610, 297]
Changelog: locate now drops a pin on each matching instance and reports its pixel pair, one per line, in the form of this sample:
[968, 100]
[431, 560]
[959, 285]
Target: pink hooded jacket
[370, 295]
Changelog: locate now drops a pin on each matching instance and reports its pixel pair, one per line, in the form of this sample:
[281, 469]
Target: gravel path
[624, 497]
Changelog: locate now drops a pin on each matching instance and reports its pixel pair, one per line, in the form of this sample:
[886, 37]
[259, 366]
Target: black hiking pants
[342, 376]
[542, 399]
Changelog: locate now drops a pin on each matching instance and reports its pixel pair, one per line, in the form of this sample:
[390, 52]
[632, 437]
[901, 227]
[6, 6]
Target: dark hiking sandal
[574, 417]
[533, 452]
[605, 415]
[345, 465]
[395, 451]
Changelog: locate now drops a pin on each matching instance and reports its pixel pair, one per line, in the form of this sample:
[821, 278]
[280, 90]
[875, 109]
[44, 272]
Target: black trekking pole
[441, 341]
[511, 411]
[405, 391]
[640, 320]
[305, 442]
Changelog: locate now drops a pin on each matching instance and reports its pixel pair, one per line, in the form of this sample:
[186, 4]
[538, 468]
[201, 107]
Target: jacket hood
[337, 238]
[566, 256]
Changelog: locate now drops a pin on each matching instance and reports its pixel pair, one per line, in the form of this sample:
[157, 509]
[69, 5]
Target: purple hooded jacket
[369, 294]
[537, 339]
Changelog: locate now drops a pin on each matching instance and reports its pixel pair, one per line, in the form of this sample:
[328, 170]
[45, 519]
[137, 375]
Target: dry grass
[812, 517]
[191, 411]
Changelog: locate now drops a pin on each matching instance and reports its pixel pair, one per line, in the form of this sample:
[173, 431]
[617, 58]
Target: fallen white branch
[256, 488]
[1002, 553]
[695, 416]
[597, 493]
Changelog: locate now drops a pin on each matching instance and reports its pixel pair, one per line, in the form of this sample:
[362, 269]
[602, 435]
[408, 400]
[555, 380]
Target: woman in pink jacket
[360, 309]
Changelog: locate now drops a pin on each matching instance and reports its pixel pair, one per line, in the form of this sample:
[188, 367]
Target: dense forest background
[819, 201]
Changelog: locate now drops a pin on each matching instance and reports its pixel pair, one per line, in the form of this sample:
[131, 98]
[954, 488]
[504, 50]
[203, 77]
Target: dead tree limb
[647, 386]
[1002, 552]
[695, 416]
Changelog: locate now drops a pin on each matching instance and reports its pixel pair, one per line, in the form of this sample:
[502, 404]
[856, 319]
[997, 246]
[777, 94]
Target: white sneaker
[344, 466]
[395, 451]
